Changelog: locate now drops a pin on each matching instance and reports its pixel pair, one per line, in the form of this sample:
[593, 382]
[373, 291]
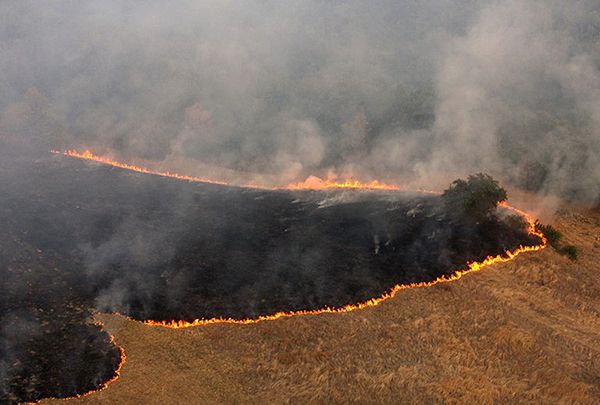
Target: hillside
[517, 332]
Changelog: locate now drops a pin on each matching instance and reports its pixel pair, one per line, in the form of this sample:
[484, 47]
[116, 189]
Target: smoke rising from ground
[421, 91]
[418, 93]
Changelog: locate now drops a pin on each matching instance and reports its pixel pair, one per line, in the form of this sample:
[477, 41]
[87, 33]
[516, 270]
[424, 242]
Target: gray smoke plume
[418, 92]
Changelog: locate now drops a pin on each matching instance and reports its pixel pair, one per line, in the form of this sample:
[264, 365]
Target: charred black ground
[48, 348]
[79, 235]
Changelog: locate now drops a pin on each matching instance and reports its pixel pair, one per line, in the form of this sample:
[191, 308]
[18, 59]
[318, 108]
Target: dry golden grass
[526, 331]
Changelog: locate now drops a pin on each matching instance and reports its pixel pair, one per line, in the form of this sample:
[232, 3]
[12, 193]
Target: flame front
[115, 377]
[315, 183]
[105, 384]
[311, 183]
[471, 268]
[88, 155]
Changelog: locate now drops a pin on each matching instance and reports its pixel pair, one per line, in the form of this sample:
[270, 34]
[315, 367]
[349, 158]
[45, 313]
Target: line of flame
[104, 385]
[320, 184]
[315, 183]
[88, 155]
[471, 268]
[312, 183]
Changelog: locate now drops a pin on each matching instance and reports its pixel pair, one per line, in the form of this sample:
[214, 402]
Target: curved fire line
[104, 385]
[350, 184]
[353, 184]
[322, 184]
[471, 268]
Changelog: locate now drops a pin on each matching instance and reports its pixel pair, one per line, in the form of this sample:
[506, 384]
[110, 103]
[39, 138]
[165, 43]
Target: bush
[554, 239]
[476, 198]
[570, 251]
[551, 233]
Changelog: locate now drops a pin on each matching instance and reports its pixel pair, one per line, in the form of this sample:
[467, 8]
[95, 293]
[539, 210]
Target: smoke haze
[419, 92]
[416, 93]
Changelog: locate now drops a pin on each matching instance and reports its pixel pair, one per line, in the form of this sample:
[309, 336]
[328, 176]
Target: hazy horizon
[384, 90]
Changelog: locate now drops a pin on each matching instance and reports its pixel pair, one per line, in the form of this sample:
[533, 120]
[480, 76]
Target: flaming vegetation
[457, 190]
[470, 268]
[117, 374]
[88, 155]
[49, 347]
[476, 198]
[316, 183]
[103, 385]
[311, 183]
[524, 331]
[63, 223]
[554, 237]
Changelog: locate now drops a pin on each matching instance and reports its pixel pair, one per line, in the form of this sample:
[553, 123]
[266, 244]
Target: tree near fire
[475, 198]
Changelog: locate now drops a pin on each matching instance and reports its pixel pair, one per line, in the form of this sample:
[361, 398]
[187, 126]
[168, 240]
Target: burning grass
[245, 254]
[199, 253]
[524, 331]
[49, 347]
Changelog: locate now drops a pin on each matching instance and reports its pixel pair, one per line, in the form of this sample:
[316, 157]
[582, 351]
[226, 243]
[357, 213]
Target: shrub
[551, 233]
[554, 239]
[570, 251]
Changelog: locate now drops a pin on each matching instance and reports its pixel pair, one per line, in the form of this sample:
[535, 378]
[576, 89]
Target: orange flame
[105, 384]
[315, 183]
[311, 183]
[88, 155]
[114, 378]
[471, 268]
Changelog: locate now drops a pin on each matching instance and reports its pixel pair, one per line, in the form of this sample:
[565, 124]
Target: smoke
[417, 92]
[271, 92]
[524, 85]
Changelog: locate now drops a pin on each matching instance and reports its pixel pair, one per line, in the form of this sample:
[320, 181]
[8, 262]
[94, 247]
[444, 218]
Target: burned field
[81, 236]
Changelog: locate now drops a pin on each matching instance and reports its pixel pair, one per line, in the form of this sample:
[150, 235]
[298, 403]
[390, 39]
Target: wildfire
[88, 155]
[105, 384]
[311, 183]
[471, 268]
[316, 183]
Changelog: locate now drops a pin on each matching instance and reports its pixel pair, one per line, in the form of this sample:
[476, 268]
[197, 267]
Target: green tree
[475, 198]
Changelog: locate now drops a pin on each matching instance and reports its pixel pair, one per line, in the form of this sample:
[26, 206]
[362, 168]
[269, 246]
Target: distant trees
[475, 198]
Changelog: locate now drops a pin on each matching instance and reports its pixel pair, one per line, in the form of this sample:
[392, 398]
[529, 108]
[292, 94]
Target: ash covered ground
[78, 236]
